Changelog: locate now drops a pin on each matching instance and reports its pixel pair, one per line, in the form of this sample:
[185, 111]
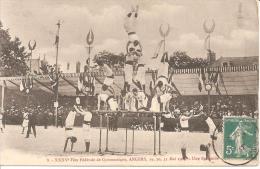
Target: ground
[49, 143]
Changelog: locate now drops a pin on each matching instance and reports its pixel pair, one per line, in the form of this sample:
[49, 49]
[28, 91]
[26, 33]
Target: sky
[36, 20]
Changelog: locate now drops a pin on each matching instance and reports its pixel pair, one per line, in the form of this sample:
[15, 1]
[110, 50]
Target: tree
[12, 54]
[114, 60]
[45, 67]
[180, 60]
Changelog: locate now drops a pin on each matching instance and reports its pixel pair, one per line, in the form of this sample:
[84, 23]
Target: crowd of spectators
[225, 106]
[45, 113]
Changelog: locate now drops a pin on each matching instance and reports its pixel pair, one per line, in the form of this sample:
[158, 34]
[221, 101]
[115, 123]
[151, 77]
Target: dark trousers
[29, 130]
[45, 125]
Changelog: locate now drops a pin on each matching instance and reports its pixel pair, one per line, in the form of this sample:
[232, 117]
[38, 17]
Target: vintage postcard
[129, 82]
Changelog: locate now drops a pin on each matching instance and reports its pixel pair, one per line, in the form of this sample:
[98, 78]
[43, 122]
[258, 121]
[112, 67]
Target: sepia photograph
[129, 82]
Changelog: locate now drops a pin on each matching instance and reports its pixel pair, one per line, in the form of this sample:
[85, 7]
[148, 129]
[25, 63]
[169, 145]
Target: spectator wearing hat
[32, 123]
[45, 119]
[1, 121]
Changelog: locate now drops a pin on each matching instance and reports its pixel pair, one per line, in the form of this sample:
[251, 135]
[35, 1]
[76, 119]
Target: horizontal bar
[125, 111]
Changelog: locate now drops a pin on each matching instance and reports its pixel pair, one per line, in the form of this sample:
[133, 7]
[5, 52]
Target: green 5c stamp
[240, 138]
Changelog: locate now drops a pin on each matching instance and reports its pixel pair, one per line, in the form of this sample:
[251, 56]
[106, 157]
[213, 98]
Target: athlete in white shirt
[139, 78]
[184, 122]
[109, 100]
[163, 92]
[86, 125]
[109, 76]
[69, 124]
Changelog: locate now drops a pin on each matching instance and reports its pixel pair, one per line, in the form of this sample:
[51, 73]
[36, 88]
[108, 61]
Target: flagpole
[2, 102]
[89, 40]
[209, 106]
[56, 72]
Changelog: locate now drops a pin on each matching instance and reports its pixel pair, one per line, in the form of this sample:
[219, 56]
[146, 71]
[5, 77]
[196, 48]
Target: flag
[217, 89]
[22, 86]
[54, 80]
[56, 40]
[215, 81]
[215, 78]
[80, 82]
[211, 76]
[221, 80]
[202, 79]
[26, 85]
[29, 83]
[200, 86]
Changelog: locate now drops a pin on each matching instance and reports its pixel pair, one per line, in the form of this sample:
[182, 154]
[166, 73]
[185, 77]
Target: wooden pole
[107, 133]
[154, 132]
[2, 102]
[209, 102]
[100, 132]
[126, 135]
[209, 106]
[133, 140]
[31, 62]
[159, 121]
[56, 72]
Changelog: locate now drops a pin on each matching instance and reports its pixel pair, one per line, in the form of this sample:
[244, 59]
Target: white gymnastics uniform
[155, 105]
[130, 26]
[109, 100]
[86, 125]
[164, 80]
[140, 75]
[161, 93]
[109, 80]
[69, 123]
[129, 70]
[163, 69]
[165, 98]
[25, 120]
[130, 102]
[212, 127]
[112, 104]
[142, 100]
[184, 131]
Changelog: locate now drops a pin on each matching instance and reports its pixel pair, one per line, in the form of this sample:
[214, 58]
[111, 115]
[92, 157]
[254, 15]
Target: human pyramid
[134, 90]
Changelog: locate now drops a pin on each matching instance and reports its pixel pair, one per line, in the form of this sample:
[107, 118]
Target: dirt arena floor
[47, 147]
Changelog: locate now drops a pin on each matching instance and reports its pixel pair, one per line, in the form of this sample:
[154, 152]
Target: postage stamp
[240, 138]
